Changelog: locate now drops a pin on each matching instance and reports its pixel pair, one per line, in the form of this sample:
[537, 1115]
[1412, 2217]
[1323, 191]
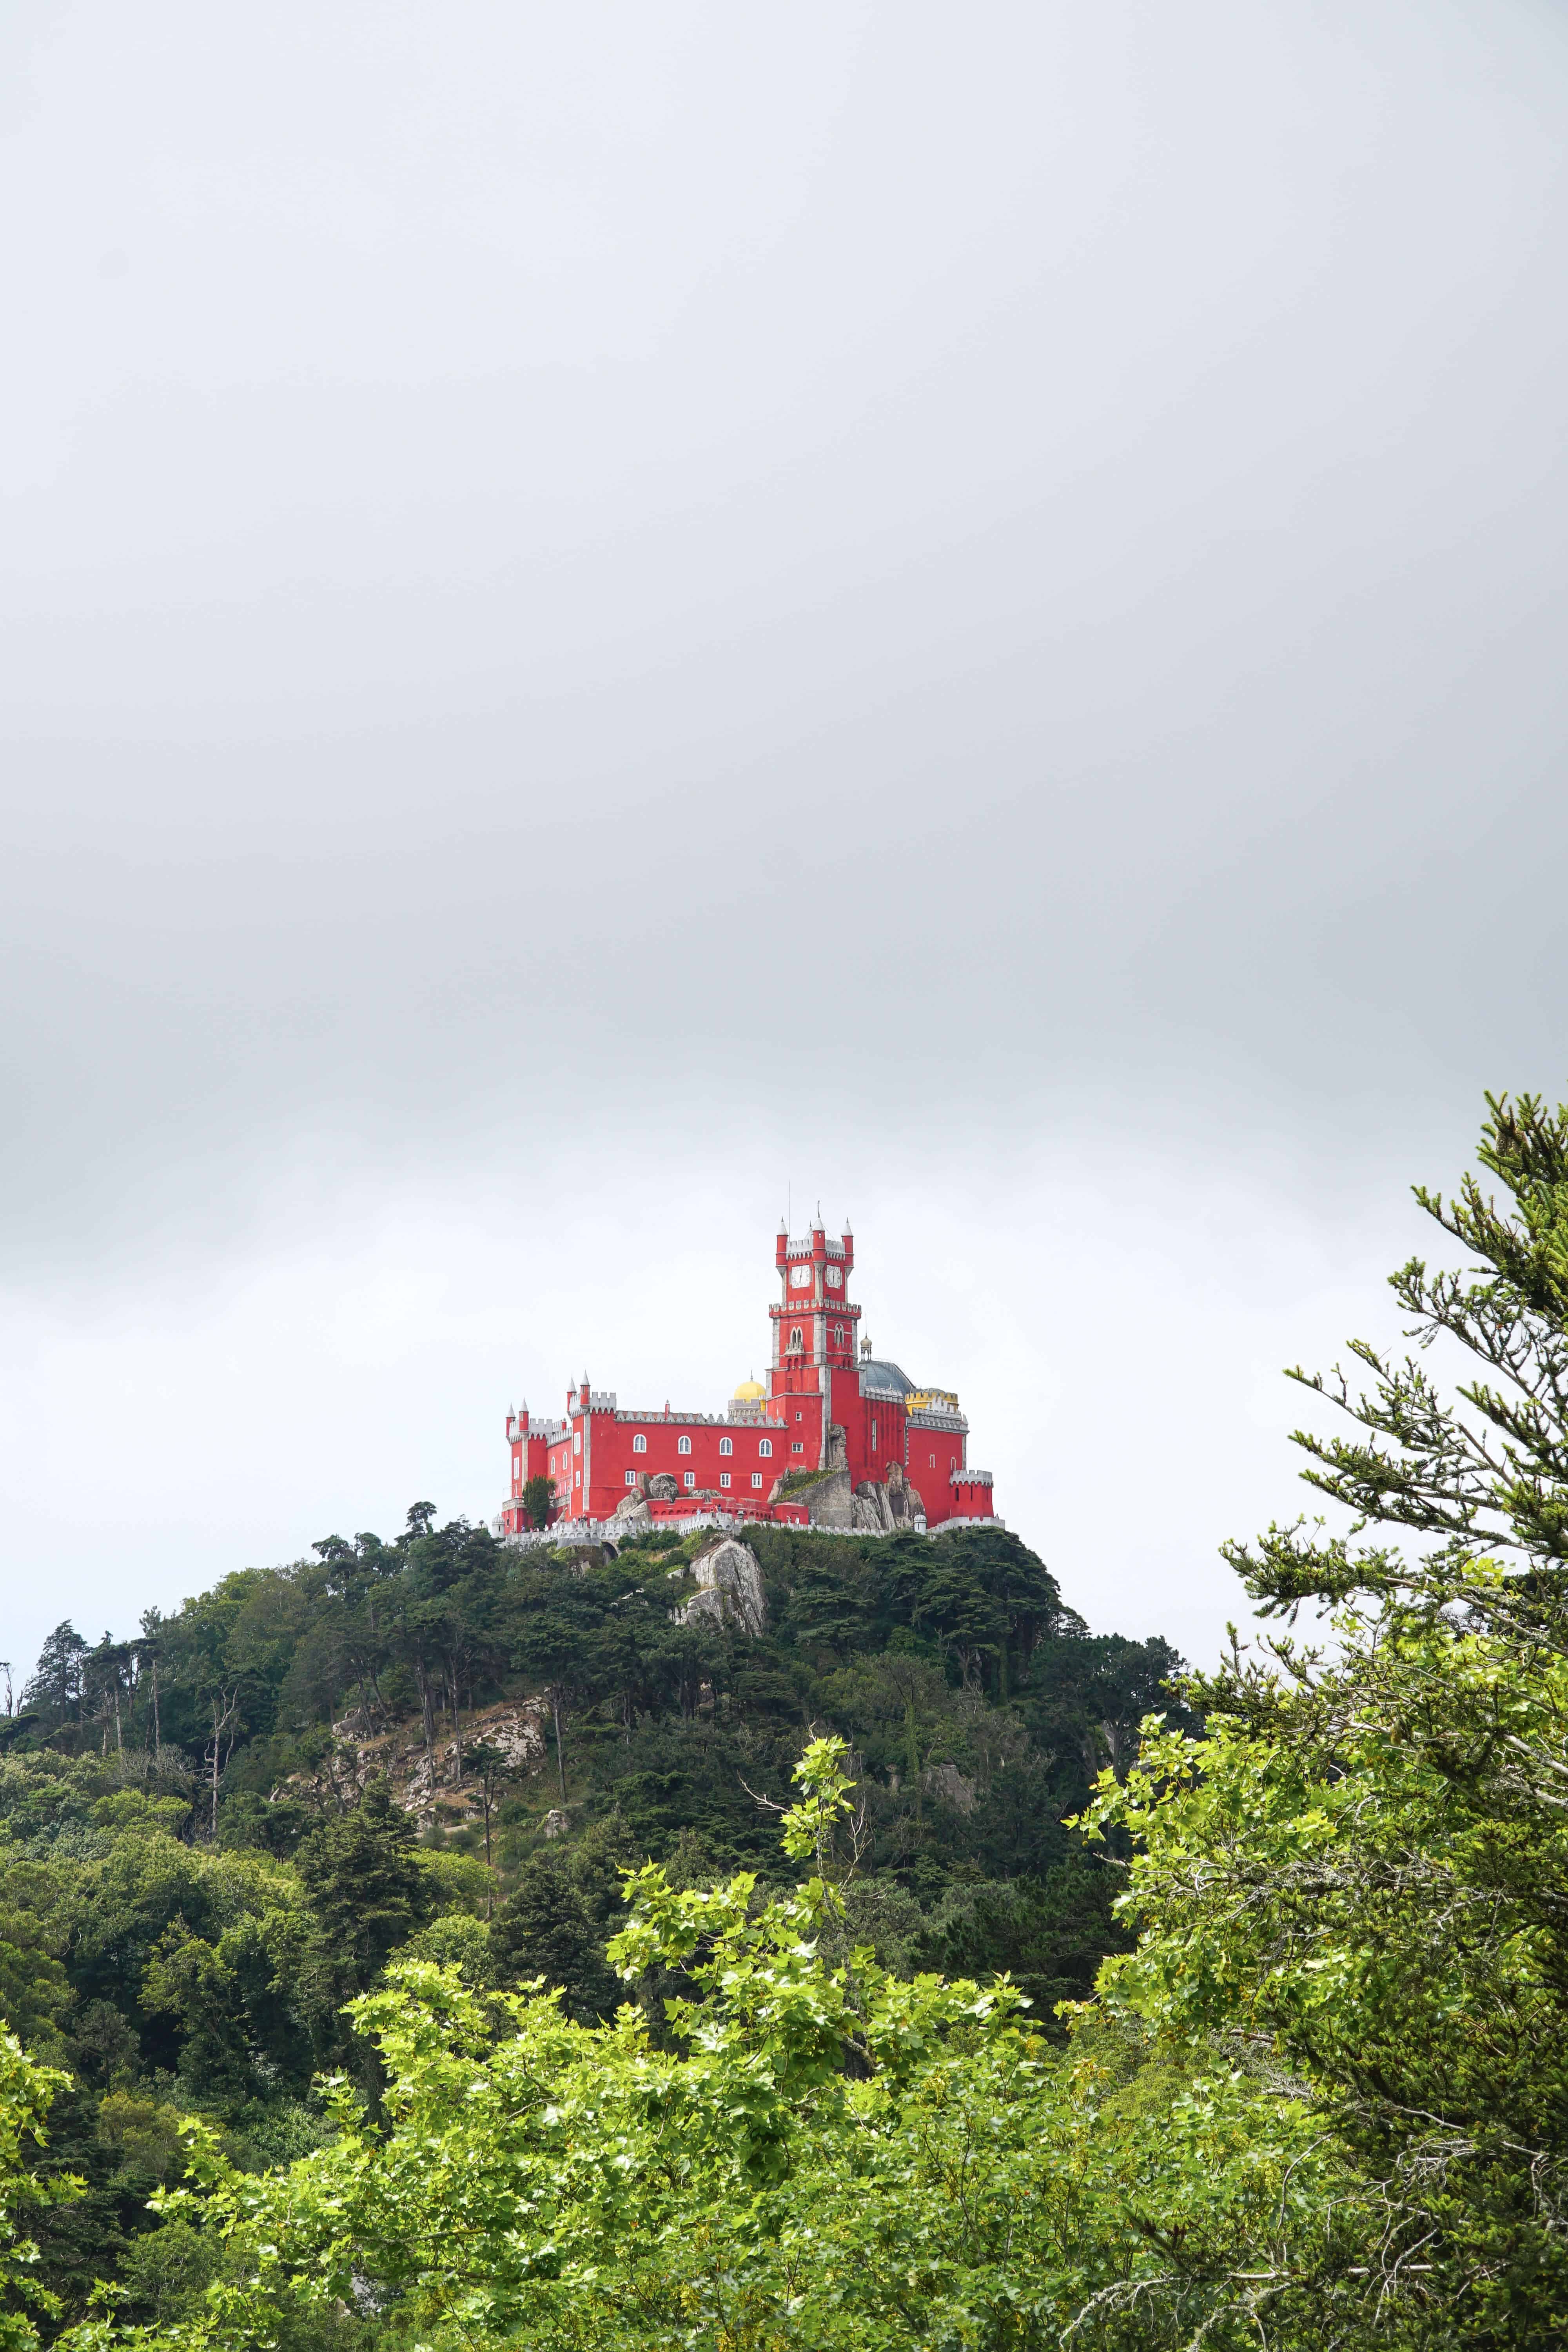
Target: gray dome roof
[884, 1380]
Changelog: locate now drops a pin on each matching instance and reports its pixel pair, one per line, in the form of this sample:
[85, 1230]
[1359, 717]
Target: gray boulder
[872, 1517]
[884, 1510]
[662, 1487]
[729, 1581]
[954, 1787]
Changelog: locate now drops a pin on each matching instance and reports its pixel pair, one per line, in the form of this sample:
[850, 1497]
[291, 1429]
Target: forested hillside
[220, 1831]
[337, 2023]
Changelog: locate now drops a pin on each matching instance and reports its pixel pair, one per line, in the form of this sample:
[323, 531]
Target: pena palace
[837, 1438]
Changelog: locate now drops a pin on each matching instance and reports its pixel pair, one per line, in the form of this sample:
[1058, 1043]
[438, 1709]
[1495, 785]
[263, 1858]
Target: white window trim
[726, 1445]
[683, 1445]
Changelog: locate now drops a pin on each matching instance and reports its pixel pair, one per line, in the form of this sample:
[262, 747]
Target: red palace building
[837, 1437]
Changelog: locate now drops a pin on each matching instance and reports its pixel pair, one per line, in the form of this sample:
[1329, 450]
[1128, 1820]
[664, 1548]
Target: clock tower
[814, 1328]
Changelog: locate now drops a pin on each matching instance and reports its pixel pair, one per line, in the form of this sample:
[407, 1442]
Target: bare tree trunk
[457, 1722]
[429, 1721]
[221, 1721]
[560, 1760]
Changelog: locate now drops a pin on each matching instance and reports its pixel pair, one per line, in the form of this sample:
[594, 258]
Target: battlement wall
[686, 1523]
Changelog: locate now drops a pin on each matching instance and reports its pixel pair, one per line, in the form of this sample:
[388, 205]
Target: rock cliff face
[829, 1500]
[662, 1487]
[360, 1754]
[883, 1510]
[729, 1582]
[955, 1788]
[827, 1497]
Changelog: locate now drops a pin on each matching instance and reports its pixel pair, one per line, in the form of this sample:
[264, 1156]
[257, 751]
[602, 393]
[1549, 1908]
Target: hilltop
[220, 1829]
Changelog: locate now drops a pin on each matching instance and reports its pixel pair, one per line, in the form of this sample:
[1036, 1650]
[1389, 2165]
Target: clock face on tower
[835, 1278]
[799, 1277]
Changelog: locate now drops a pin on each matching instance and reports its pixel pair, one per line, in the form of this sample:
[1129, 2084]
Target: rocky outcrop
[729, 1581]
[904, 1501]
[631, 1517]
[872, 1516]
[954, 1787]
[663, 1486]
[885, 1510]
[828, 1498]
[360, 1754]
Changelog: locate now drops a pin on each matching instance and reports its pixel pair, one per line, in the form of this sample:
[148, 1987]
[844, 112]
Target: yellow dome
[750, 1393]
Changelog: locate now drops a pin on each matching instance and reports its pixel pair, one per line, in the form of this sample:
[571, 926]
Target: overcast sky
[613, 615]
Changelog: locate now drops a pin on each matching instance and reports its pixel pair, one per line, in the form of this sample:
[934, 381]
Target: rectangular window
[933, 1461]
[726, 1445]
[764, 1445]
[577, 1478]
[576, 1441]
[683, 1445]
[723, 1477]
[631, 1478]
[797, 1447]
[756, 1477]
[873, 1436]
[691, 1478]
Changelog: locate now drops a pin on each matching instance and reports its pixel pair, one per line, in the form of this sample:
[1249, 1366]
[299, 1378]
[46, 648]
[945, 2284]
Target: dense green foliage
[201, 1872]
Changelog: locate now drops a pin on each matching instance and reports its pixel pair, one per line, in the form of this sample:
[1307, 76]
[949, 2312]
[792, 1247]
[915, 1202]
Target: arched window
[764, 1445]
[726, 1445]
[639, 1443]
[683, 1445]
[795, 1339]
